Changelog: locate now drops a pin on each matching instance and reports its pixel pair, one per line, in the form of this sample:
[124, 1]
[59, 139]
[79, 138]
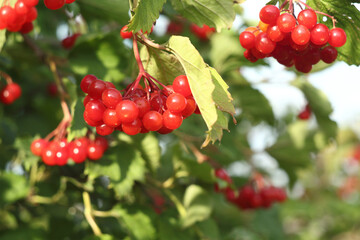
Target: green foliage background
[120, 190]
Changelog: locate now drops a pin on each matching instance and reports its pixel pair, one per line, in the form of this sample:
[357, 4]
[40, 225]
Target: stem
[150, 43]
[161, 84]
[283, 5]
[6, 77]
[137, 57]
[88, 215]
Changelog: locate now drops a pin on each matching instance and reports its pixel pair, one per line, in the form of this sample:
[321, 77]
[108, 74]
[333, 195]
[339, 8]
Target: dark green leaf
[13, 187]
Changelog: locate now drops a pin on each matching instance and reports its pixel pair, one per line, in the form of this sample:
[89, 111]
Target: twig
[88, 214]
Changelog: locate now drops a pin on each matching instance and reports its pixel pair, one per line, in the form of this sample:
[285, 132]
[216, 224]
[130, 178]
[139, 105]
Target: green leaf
[198, 205]
[162, 65]
[320, 106]
[268, 223]
[168, 228]
[123, 167]
[2, 38]
[348, 18]
[13, 187]
[146, 13]
[209, 229]
[151, 151]
[206, 85]
[254, 104]
[219, 13]
[138, 222]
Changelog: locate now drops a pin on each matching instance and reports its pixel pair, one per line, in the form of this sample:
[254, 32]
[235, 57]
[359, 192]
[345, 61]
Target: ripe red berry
[48, 155]
[143, 105]
[181, 85]
[249, 56]
[96, 89]
[176, 103]
[37, 146]
[77, 153]
[175, 28]
[222, 174]
[31, 15]
[152, 121]
[286, 22]
[157, 101]
[300, 35]
[124, 33]
[264, 44]
[127, 111]
[31, 3]
[110, 118]
[27, 27]
[7, 15]
[86, 81]
[95, 110]
[102, 142]
[10, 93]
[190, 107]
[275, 34]
[308, 18]
[306, 113]
[328, 54]
[337, 37]
[247, 40]
[269, 14]
[132, 128]
[54, 4]
[95, 151]
[111, 97]
[69, 41]
[319, 35]
[104, 130]
[21, 8]
[203, 33]
[172, 120]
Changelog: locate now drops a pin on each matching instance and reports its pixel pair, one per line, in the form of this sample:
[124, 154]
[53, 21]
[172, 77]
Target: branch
[88, 214]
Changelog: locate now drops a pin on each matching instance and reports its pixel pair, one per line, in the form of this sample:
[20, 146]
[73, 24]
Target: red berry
[96, 89]
[247, 40]
[181, 85]
[269, 14]
[48, 155]
[249, 56]
[90, 121]
[127, 111]
[190, 107]
[10, 93]
[222, 174]
[102, 142]
[87, 99]
[31, 3]
[104, 130]
[69, 41]
[95, 110]
[230, 194]
[21, 8]
[203, 33]
[95, 151]
[306, 113]
[27, 27]
[143, 105]
[300, 35]
[157, 101]
[54, 4]
[111, 97]
[275, 34]
[175, 28]
[308, 18]
[172, 120]
[69, 1]
[110, 118]
[86, 81]
[124, 33]
[31, 15]
[37, 146]
[132, 128]
[164, 130]
[264, 44]
[328, 54]
[319, 35]
[152, 121]
[286, 22]
[337, 37]
[7, 15]
[176, 103]
[77, 154]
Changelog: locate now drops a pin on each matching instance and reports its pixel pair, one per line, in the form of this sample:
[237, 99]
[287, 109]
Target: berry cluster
[58, 152]
[69, 41]
[56, 4]
[305, 114]
[137, 110]
[248, 197]
[19, 18]
[10, 93]
[300, 42]
[202, 33]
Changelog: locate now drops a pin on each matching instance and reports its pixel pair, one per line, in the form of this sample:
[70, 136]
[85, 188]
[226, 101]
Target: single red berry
[175, 28]
[172, 120]
[104, 130]
[54, 4]
[69, 41]
[286, 22]
[157, 101]
[264, 44]
[176, 103]
[230, 194]
[308, 18]
[143, 105]
[48, 155]
[102, 142]
[95, 151]
[337, 37]
[269, 14]
[96, 89]
[249, 56]
[21, 8]
[132, 128]
[222, 174]
[61, 155]
[319, 35]
[306, 113]
[95, 110]
[110, 118]
[87, 99]
[124, 33]
[181, 85]
[190, 107]
[86, 81]
[31, 3]
[37, 146]
[275, 34]
[31, 15]
[81, 142]
[77, 154]
[90, 121]
[303, 66]
[247, 40]
[10, 93]
[328, 54]
[27, 27]
[203, 33]
[127, 111]
[164, 130]
[7, 15]
[152, 121]
[300, 35]
[111, 97]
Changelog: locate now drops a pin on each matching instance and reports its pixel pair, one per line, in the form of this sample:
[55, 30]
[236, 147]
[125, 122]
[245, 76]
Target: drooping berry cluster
[58, 152]
[136, 110]
[300, 42]
[56, 4]
[10, 93]
[248, 197]
[19, 18]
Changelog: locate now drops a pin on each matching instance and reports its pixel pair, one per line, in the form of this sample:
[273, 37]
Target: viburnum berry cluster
[18, 18]
[202, 33]
[137, 110]
[59, 151]
[301, 42]
[11, 91]
[56, 4]
[250, 196]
